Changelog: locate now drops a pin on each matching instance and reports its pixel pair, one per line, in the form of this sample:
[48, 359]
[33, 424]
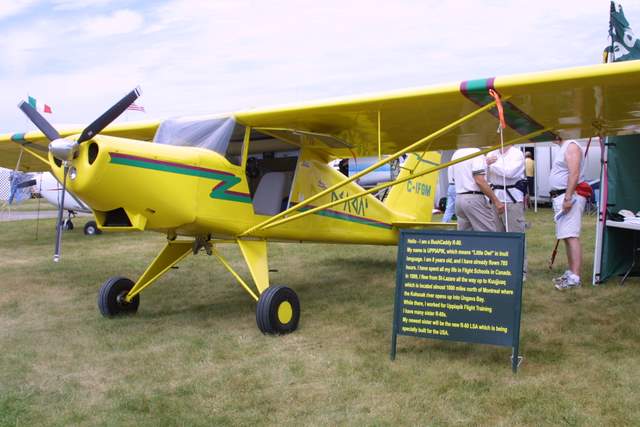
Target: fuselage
[133, 185]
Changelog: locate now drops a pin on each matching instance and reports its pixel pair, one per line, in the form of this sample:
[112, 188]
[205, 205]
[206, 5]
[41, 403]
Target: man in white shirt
[472, 208]
[567, 171]
[505, 169]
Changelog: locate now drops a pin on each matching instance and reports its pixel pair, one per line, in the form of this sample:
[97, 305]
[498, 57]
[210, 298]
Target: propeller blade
[56, 254]
[110, 115]
[40, 122]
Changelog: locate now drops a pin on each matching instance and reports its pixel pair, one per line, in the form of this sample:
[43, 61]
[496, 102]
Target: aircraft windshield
[210, 133]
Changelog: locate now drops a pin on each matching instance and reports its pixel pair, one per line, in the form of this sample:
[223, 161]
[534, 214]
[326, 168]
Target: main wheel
[91, 228]
[278, 311]
[111, 300]
[67, 225]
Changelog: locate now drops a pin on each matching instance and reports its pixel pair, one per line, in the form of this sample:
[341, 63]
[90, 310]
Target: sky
[195, 57]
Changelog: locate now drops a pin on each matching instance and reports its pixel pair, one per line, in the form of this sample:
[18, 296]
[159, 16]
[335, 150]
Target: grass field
[32, 205]
[194, 356]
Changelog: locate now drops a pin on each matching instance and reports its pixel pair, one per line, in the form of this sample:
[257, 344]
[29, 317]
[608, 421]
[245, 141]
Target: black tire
[67, 225]
[91, 229]
[111, 297]
[442, 204]
[278, 311]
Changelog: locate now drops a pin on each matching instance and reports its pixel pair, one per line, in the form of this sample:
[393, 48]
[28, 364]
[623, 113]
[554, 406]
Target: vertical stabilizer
[414, 200]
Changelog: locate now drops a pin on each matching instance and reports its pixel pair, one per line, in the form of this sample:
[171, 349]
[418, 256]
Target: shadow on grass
[232, 308]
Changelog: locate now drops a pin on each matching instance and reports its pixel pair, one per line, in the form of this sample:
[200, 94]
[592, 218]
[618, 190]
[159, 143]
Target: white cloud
[10, 8]
[76, 97]
[193, 56]
[119, 22]
[78, 4]
[22, 47]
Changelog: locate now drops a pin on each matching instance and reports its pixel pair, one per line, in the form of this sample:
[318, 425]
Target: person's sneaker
[570, 281]
[560, 279]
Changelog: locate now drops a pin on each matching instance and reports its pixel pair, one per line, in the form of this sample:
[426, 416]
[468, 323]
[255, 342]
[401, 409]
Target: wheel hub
[120, 299]
[285, 312]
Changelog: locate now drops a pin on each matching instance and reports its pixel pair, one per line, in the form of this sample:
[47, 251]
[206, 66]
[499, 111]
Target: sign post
[459, 286]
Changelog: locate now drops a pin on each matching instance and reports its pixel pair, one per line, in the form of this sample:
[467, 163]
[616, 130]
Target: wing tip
[18, 137]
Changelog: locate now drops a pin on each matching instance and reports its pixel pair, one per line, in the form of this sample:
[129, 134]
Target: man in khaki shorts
[472, 207]
[506, 176]
[568, 206]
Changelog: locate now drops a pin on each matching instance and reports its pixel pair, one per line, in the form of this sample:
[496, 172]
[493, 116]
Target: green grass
[194, 356]
[31, 205]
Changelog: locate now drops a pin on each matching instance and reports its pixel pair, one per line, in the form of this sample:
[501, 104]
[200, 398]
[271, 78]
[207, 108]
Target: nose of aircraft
[62, 152]
[133, 185]
[79, 169]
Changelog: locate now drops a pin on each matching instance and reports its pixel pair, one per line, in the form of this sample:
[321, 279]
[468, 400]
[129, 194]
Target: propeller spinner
[65, 150]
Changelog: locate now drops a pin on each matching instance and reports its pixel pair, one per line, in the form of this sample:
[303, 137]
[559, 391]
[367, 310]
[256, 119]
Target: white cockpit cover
[211, 133]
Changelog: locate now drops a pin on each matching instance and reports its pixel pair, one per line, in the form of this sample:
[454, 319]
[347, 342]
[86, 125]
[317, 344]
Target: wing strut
[379, 138]
[400, 181]
[413, 147]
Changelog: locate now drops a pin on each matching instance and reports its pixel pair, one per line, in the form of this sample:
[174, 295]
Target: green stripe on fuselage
[167, 168]
[218, 192]
[344, 217]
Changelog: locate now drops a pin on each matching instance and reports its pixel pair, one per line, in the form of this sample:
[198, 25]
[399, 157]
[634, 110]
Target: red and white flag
[45, 108]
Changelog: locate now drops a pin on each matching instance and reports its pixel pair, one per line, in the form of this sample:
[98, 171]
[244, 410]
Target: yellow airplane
[260, 176]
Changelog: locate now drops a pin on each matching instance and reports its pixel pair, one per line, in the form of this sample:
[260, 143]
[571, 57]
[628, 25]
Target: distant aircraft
[352, 166]
[207, 181]
[49, 188]
[45, 185]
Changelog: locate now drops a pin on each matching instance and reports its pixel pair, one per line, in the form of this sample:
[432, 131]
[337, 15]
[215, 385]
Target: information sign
[460, 286]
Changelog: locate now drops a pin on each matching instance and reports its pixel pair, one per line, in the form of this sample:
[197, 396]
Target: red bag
[584, 189]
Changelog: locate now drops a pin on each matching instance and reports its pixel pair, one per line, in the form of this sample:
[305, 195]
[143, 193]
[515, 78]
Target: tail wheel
[67, 225]
[111, 300]
[278, 311]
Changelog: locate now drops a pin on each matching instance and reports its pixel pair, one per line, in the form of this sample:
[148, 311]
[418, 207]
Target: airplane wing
[36, 145]
[574, 103]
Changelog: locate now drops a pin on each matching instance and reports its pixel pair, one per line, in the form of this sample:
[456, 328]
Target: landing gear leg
[278, 308]
[120, 295]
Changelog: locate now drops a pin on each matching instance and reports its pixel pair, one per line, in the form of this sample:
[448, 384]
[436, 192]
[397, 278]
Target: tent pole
[600, 216]
[535, 180]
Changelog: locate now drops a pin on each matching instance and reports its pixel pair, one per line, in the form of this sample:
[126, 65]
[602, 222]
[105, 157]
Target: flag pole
[612, 8]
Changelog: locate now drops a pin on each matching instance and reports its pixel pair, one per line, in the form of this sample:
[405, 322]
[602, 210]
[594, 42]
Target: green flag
[625, 46]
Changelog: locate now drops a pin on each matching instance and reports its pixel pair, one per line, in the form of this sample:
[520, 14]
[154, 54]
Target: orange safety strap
[495, 96]
[355, 158]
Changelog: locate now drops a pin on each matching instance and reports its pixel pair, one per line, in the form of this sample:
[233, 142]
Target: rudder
[414, 199]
